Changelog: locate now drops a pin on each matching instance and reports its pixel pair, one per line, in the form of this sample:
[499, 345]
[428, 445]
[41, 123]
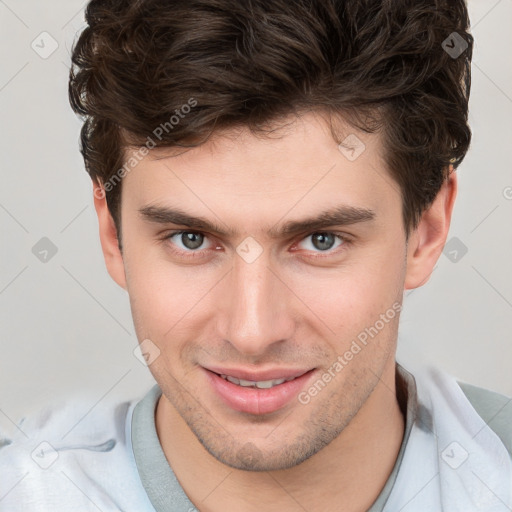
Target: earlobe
[427, 241]
[108, 237]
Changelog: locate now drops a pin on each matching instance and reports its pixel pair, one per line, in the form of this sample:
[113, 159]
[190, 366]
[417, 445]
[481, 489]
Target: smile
[261, 384]
[264, 393]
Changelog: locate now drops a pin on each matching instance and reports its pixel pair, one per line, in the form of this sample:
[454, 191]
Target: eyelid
[345, 241]
[336, 235]
[169, 235]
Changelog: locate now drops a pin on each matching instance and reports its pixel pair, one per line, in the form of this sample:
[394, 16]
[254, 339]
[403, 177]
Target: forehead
[299, 166]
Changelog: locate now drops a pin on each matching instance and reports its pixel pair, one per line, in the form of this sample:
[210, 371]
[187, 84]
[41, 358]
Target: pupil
[323, 241]
[192, 240]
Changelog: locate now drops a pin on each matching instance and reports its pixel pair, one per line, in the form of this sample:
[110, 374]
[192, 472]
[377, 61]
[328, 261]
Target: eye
[188, 241]
[322, 241]
[194, 244]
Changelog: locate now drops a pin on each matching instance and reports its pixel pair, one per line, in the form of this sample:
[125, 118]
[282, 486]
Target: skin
[286, 309]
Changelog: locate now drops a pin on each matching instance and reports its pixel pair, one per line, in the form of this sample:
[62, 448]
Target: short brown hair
[379, 63]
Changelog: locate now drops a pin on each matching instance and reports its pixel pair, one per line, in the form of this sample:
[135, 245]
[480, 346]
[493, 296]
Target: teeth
[267, 384]
[262, 384]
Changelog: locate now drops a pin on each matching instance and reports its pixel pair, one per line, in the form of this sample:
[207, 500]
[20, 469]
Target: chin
[249, 455]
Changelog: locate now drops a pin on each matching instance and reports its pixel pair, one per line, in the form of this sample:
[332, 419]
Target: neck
[352, 470]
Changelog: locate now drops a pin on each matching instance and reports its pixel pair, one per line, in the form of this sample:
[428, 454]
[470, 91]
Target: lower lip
[254, 400]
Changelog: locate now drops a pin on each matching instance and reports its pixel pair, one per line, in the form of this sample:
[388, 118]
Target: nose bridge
[257, 315]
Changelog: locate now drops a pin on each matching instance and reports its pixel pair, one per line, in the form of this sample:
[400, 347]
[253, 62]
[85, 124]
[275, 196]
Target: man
[269, 177]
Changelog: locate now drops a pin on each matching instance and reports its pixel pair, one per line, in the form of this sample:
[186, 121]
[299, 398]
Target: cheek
[352, 296]
[164, 297]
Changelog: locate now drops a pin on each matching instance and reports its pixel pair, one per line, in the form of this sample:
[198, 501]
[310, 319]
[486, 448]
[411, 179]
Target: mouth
[257, 393]
[260, 384]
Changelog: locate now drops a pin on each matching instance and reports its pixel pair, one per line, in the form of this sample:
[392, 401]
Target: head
[255, 118]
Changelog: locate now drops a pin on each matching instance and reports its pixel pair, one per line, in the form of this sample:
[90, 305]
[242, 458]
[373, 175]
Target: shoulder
[494, 408]
[68, 456]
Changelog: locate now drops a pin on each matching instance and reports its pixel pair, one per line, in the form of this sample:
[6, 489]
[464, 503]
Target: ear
[427, 241]
[108, 237]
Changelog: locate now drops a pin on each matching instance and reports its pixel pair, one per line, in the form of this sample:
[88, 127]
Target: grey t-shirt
[167, 495]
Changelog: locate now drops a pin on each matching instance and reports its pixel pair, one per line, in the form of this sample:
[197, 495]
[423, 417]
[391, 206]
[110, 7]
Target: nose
[259, 307]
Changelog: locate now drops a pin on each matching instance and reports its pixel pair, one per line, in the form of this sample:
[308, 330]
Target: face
[254, 292]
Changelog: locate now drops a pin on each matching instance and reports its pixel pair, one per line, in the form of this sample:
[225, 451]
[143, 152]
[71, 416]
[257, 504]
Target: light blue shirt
[111, 459]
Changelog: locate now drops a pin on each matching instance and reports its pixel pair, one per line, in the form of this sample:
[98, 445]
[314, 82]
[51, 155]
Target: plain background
[66, 327]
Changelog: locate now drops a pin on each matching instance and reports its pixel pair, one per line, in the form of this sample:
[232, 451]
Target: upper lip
[258, 376]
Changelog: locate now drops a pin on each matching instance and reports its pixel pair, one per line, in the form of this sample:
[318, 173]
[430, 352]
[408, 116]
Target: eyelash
[346, 241]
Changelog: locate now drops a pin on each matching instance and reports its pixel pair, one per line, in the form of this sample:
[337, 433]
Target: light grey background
[66, 326]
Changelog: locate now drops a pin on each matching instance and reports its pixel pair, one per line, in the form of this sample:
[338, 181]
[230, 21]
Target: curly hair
[380, 64]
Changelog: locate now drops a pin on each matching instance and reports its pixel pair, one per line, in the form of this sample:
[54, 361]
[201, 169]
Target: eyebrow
[339, 216]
